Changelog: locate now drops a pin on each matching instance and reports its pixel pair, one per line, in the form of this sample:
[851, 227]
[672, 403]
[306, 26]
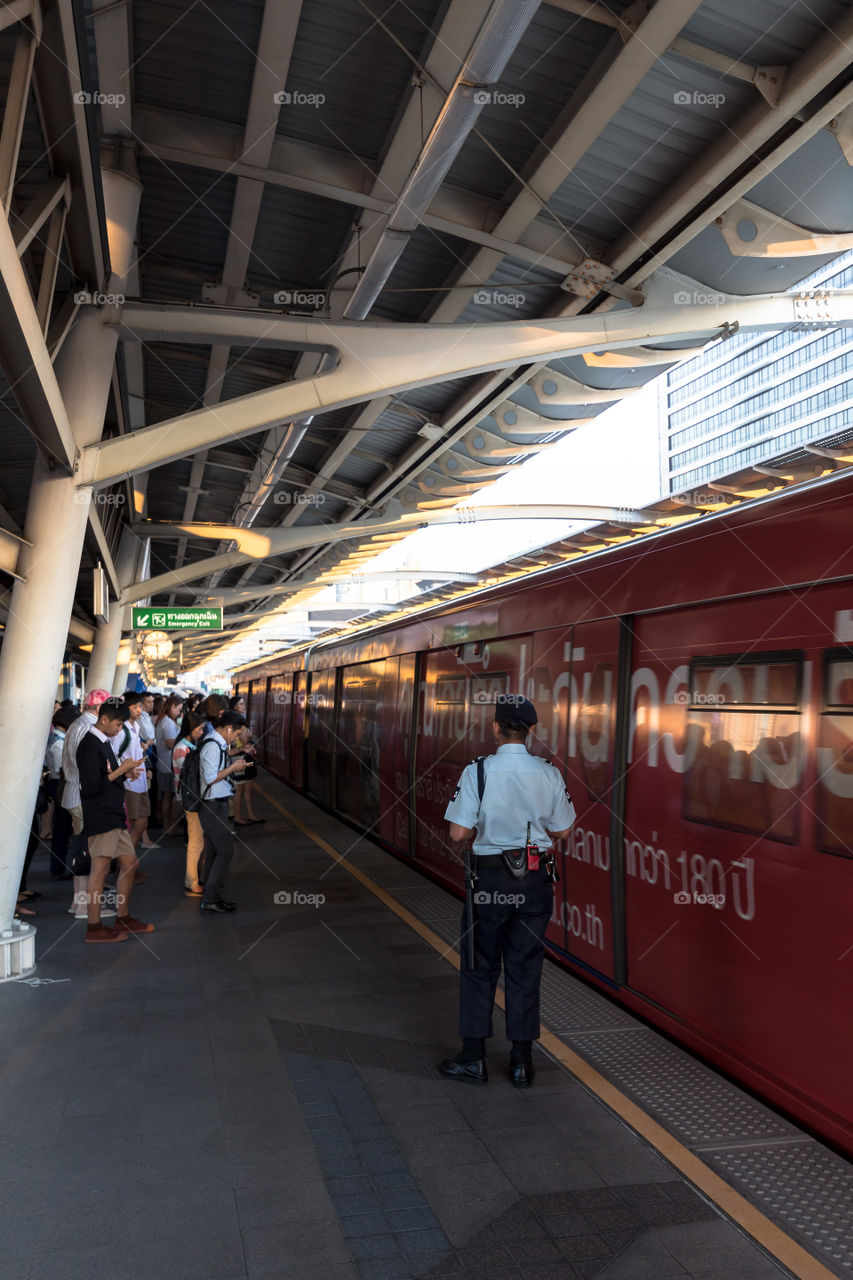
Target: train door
[399, 714]
[277, 724]
[298, 727]
[584, 908]
[320, 742]
[458, 691]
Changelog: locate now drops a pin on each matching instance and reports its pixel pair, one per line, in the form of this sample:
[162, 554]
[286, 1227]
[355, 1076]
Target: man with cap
[517, 797]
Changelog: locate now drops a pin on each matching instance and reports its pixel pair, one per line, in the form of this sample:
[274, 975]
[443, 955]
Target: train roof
[809, 513]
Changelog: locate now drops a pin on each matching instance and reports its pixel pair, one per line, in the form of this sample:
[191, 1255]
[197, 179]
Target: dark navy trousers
[511, 919]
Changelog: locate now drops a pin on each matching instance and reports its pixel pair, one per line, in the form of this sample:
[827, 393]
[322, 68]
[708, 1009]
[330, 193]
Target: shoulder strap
[481, 776]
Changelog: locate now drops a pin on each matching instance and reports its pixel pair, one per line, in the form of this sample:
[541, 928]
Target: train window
[450, 691]
[835, 758]
[744, 763]
[485, 689]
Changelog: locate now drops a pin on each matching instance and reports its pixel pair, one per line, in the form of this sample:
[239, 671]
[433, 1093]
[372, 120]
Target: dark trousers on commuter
[218, 846]
[60, 863]
[511, 919]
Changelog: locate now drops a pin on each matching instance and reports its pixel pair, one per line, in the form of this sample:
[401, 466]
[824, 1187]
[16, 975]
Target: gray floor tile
[705, 1245]
[643, 1261]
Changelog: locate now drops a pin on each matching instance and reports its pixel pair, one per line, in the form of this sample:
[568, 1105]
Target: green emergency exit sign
[192, 618]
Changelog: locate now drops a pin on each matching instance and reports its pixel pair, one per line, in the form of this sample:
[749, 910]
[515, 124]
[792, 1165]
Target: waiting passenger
[192, 730]
[217, 788]
[71, 793]
[60, 866]
[127, 745]
[244, 779]
[102, 793]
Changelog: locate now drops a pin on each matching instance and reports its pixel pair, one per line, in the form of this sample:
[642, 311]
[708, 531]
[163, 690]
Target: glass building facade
[756, 396]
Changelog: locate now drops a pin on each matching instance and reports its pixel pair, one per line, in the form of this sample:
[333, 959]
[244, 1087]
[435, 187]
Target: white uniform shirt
[133, 751]
[75, 735]
[520, 788]
[146, 727]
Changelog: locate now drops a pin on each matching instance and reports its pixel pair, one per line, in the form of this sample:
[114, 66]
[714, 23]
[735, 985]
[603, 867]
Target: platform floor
[256, 1095]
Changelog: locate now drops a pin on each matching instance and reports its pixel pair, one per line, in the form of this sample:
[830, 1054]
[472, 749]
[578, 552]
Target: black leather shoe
[225, 905]
[468, 1072]
[214, 907]
[521, 1073]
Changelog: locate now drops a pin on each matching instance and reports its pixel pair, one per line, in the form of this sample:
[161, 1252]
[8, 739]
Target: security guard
[514, 896]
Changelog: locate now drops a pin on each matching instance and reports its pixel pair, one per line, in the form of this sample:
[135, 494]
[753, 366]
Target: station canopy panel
[387, 252]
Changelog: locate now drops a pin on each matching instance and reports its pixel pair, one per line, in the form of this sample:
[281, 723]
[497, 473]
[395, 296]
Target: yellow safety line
[733, 1204]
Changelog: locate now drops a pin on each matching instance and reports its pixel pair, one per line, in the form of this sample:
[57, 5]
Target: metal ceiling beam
[749, 173]
[375, 359]
[272, 64]
[734, 67]
[25, 360]
[411, 173]
[730, 168]
[316, 170]
[262, 544]
[581, 122]
[245, 595]
[60, 92]
[489, 32]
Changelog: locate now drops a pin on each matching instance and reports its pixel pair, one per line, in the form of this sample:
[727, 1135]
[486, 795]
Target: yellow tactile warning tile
[736, 1207]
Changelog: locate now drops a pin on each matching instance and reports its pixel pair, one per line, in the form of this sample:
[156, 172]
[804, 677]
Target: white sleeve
[563, 811]
[464, 807]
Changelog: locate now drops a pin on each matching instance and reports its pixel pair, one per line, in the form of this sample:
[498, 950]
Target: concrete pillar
[35, 636]
[125, 653]
[103, 661]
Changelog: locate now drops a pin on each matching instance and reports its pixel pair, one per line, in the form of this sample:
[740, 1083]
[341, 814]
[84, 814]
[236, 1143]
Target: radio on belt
[532, 851]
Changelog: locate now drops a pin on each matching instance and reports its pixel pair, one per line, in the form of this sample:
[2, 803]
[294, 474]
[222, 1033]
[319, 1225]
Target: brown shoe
[103, 933]
[140, 877]
[128, 924]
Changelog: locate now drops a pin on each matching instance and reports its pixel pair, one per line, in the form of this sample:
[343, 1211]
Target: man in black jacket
[105, 822]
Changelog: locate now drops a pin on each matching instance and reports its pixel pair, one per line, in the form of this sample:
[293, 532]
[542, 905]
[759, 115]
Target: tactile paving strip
[690, 1099]
[804, 1187]
[568, 1007]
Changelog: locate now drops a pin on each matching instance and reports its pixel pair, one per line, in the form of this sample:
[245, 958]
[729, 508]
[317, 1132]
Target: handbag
[78, 855]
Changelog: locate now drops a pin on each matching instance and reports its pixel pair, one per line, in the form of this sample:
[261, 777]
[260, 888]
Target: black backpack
[192, 791]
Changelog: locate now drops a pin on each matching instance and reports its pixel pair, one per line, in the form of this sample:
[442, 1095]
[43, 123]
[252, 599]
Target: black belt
[488, 860]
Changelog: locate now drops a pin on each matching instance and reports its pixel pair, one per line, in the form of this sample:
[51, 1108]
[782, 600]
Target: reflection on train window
[595, 730]
[484, 691]
[745, 754]
[450, 691]
[835, 760]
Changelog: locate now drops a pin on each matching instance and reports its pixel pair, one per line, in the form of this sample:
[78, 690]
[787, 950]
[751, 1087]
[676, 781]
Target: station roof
[459, 162]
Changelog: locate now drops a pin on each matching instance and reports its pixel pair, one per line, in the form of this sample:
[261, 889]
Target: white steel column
[35, 636]
[101, 672]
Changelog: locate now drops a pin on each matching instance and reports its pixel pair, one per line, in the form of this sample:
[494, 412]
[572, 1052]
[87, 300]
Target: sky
[612, 461]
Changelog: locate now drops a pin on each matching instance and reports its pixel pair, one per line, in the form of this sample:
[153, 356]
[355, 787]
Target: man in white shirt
[146, 724]
[510, 806]
[127, 745]
[73, 738]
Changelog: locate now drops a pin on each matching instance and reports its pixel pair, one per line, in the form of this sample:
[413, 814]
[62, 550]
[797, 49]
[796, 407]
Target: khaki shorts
[137, 804]
[111, 844]
[76, 819]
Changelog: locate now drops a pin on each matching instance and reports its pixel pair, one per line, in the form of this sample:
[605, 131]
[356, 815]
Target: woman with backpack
[192, 730]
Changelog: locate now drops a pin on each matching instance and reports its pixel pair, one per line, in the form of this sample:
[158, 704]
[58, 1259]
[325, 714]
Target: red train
[696, 688]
